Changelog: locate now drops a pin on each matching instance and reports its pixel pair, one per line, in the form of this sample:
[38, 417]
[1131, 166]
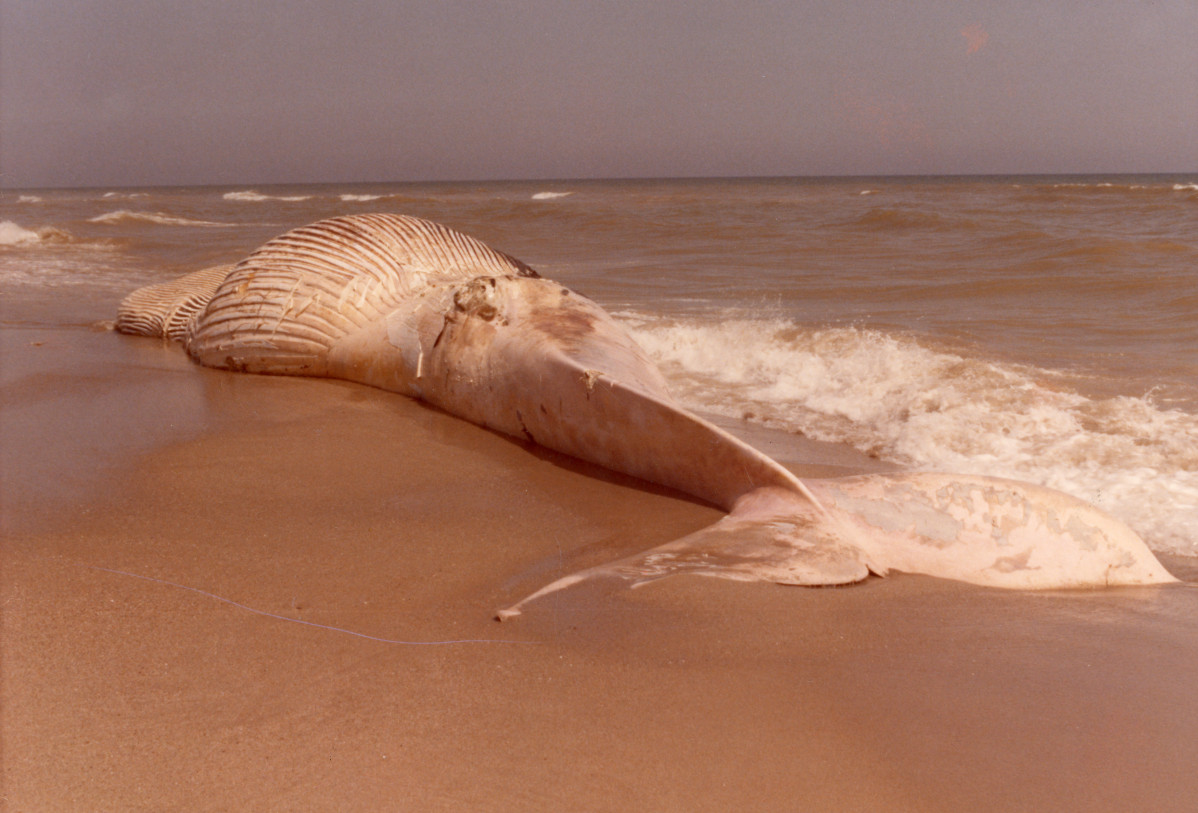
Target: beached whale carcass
[416, 308]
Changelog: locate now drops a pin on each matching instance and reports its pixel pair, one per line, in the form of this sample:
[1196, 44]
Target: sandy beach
[162, 521]
[937, 238]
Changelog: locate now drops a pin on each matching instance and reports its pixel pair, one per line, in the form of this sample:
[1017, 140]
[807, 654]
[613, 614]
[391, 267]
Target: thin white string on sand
[256, 611]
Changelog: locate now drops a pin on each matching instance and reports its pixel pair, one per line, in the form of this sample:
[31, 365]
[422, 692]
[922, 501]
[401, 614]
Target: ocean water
[1040, 328]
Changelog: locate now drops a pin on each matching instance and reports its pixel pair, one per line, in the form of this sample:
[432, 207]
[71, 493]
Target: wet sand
[155, 513]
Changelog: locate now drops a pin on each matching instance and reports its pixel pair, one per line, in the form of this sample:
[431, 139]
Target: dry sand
[132, 480]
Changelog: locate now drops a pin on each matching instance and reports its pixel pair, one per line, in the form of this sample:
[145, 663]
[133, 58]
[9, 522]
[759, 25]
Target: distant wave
[887, 219]
[1141, 186]
[892, 397]
[13, 235]
[115, 194]
[550, 195]
[29, 199]
[253, 196]
[350, 198]
[1084, 185]
[124, 216]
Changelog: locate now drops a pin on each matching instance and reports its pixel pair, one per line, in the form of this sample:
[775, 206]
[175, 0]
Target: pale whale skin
[416, 308]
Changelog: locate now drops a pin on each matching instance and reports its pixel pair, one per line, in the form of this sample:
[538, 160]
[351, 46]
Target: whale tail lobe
[981, 530]
[770, 535]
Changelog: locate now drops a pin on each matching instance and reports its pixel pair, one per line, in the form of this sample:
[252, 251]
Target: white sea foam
[930, 409]
[124, 216]
[360, 198]
[1185, 187]
[253, 196]
[73, 266]
[248, 196]
[550, 195]
[13, 235]
[29, 199]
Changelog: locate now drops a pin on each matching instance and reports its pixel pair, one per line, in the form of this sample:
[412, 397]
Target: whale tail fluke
[167, 309]
[981, 530]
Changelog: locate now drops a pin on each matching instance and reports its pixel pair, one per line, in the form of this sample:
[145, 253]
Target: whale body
[416, 308]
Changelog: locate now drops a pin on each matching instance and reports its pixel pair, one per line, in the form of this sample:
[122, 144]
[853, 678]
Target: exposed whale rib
[415, 308]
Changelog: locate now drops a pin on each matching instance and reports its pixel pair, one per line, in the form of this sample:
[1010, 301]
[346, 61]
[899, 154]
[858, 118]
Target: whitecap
[248, 195]
[253, 196]
[125, 215]
[550, 195]
[13, 235]
[349, 198]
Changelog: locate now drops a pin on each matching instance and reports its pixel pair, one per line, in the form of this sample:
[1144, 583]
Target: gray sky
[135, 92]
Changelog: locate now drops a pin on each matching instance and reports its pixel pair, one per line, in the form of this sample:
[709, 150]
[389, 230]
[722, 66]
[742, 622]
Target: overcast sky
[137, 92]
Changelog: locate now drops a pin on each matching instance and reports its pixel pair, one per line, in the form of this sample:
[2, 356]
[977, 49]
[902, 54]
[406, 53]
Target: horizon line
[618, 179]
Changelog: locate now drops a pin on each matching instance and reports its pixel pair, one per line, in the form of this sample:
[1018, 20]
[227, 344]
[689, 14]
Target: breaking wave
[253, 196]
[13, 235]
[896, 399]
[125, 216]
